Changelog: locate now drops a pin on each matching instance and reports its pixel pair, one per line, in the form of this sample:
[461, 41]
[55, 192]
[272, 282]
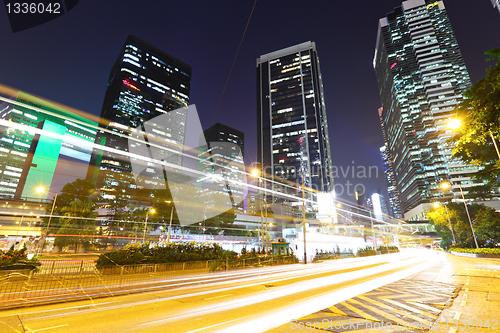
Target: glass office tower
[41, 145]
[421, 77]
[293, 142]
[144, 83]
[387, 161]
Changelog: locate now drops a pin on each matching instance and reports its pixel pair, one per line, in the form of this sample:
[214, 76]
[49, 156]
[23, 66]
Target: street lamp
[256, 173]
[373, 232]
[41, 190]
[152, 211]
[436, 205]
[18, 229]
[304, 217]
[446, 185]
[170, 225]
[456, 123]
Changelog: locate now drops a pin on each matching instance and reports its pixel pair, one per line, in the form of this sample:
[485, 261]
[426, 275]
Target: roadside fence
[78, 279]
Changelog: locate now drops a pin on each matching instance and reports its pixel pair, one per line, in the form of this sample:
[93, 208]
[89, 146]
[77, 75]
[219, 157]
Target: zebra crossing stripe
[402, 313]
[398, 303]
[426, 293]
[377, 311]
[425, 306]
[337, 311]
[359, 312]
[414, 309]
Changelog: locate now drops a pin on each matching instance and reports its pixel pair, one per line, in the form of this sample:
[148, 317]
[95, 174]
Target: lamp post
[256, 173]
[304, 218]
[41, 190]
[170, 224]
[436, 205]
[146, 223]
[446, 185]
[373, 232]
[18, 229]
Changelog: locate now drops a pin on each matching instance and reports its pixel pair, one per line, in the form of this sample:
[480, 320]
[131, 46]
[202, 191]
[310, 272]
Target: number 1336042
[33, 8]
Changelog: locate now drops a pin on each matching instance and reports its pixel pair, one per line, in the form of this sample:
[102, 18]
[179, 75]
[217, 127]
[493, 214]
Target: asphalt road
[248, 304]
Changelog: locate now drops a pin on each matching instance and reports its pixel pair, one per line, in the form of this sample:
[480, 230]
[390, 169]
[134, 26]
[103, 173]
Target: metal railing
[72, 280]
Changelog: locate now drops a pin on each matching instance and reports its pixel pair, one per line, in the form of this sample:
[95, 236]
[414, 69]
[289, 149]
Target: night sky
[68, 59]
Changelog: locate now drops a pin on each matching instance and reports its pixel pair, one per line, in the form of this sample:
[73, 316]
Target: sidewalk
[478, 303]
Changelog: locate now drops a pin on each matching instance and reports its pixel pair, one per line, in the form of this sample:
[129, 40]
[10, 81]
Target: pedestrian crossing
[405, 306]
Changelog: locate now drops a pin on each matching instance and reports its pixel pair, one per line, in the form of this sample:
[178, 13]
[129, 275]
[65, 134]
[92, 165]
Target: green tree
[78, 223]
[485, 221]
[480, 114]
[76, 201]
[439, 218]
[483, 192]
[487, 226]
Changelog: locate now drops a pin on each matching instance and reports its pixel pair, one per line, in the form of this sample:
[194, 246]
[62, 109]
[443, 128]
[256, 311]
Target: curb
[475, 255]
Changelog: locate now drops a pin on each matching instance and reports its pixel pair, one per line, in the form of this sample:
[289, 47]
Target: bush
[476, 251]
[367, 251]
[388, 249]
[17, 259]
[172, 252]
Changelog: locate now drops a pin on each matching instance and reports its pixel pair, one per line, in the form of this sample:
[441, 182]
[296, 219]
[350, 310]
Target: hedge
[484, 250]
[172, 252]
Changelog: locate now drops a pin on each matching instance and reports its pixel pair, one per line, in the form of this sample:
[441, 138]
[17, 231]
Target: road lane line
[47, 328]
[206, 299]
[206, 328]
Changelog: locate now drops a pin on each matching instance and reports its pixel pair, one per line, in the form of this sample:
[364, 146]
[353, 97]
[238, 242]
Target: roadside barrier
[77, 279]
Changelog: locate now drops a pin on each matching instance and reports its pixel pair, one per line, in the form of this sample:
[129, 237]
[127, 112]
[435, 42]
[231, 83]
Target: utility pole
[304, 218]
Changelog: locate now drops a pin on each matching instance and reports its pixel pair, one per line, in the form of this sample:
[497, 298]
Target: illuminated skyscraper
[387, 160]
[144, 83]
[41, 145]
[292, 127]
[421, 77]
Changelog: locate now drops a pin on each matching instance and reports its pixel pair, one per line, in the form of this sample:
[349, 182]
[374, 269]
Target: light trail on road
[252, 303]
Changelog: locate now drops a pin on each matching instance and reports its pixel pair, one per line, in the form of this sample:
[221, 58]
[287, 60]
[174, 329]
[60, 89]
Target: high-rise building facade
[387, 161]
[144, 83]
[293, 142]
[421, 77]
[42, 145]
[394, 203]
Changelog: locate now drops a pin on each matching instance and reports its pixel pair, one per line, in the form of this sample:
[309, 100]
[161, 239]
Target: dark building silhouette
[292, 130]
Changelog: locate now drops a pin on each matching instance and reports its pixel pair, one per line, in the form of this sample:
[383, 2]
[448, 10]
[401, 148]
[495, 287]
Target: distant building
[292, 133]
[223, 155]
[222, 133]
[41, 145]
[144, 83]
[421, 77]
[360, 197]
